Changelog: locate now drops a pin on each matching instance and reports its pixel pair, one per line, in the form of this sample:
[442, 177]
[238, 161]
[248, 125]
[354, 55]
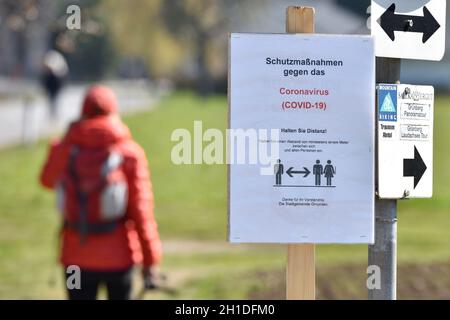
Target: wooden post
[300, 20]
[300, 271]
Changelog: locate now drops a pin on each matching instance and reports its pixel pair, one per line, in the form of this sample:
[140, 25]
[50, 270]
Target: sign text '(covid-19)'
[304, 99]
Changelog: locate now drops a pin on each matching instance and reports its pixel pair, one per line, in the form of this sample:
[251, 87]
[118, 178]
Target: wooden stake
[300, 271]
[300, 20]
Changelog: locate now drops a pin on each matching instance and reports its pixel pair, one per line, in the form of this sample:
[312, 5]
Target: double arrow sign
[391, 22]
[291, 172]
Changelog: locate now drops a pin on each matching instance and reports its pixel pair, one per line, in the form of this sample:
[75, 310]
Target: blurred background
[167, 62]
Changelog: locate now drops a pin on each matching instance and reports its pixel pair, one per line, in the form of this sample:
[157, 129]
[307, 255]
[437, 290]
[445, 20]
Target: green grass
[191, 196]
[191, 205]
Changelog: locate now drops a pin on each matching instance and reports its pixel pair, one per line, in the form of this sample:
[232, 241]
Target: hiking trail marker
[409, 29]
[405, 141]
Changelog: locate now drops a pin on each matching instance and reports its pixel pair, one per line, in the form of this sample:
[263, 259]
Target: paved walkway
[25, 120]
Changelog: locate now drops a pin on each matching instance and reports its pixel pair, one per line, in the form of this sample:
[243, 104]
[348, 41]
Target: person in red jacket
[108, 227]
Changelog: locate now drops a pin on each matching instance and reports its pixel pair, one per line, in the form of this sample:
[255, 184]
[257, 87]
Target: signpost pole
[383, 253]
[300, 271]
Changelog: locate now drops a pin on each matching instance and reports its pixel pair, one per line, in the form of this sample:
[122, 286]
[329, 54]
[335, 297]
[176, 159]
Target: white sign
[405, 141]
[409, 29]
[310, 97]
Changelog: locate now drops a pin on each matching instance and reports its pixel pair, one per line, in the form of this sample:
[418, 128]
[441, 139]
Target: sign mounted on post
[306, 103]
[409, 29]
[405, 141]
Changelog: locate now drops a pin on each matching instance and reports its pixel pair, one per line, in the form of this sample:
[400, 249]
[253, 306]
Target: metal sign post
[383, 253]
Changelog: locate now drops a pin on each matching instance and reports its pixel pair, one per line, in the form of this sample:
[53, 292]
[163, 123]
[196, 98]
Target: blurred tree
[180, 39]
[196, 24]
[16, 16]
[91, 53]
[139, 34]
[29, 28]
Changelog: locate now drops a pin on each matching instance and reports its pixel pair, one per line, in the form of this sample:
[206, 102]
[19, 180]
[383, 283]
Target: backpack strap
[82, 197]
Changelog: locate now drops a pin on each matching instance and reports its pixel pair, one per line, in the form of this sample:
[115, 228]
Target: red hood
[99, 100]
[100, 131]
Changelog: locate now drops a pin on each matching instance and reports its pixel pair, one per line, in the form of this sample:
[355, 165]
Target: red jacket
[132, 242]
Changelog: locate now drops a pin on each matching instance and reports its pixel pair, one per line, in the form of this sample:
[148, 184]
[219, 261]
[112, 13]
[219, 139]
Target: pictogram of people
[329, 172]
[317, 172]
[278, 171]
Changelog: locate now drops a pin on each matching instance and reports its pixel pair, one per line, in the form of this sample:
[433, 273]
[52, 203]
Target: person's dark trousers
[118, 285]
[317, 180]
[278, 179]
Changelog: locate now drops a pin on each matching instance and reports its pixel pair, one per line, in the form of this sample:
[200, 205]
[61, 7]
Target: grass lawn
[191, 211]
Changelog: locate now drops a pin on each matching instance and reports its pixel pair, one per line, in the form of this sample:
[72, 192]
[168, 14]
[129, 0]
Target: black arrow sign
[414, 167]
[391, 22]
[291, 172]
